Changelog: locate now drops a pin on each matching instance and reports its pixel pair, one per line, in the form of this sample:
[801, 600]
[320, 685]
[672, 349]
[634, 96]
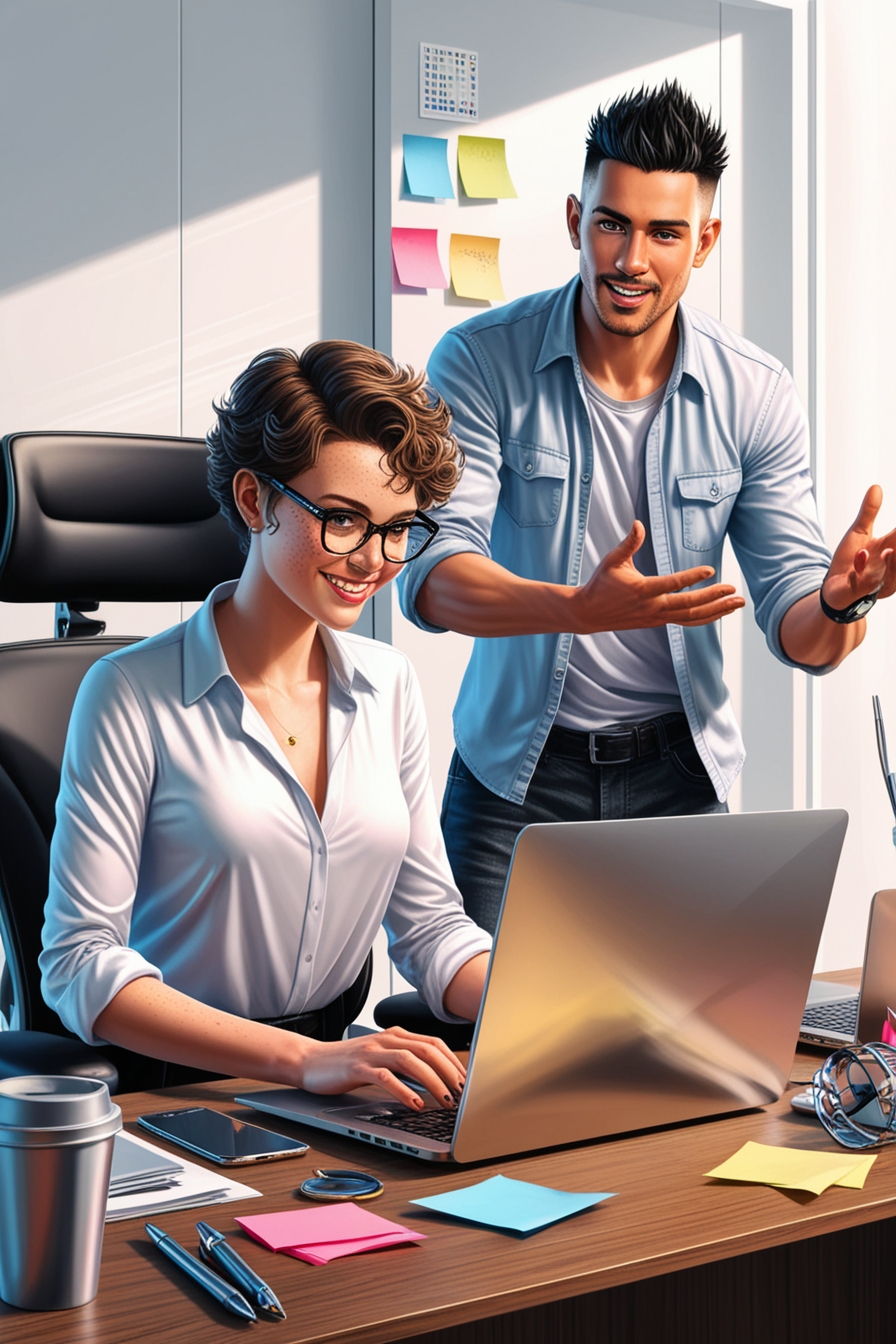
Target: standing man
[613, 437]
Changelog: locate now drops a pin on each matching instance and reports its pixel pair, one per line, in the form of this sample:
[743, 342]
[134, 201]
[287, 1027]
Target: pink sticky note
[325, 1251]
[416, 256]
[324, 1233]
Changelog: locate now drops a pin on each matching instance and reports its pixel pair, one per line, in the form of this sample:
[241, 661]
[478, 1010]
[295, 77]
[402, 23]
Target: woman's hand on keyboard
[332, 1067]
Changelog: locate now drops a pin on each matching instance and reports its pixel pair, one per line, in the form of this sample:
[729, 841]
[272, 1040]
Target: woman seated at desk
[246, 797]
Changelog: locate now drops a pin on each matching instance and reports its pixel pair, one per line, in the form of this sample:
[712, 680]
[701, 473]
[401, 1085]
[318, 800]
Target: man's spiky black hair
[658, 130]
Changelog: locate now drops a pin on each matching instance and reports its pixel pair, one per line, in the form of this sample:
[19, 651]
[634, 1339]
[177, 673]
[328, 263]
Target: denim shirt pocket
[532, 480]
[707, 499]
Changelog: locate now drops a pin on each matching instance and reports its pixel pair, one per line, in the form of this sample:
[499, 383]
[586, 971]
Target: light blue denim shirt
[726, 453]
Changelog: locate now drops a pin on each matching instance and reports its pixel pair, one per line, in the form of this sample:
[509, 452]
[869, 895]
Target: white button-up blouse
[186, 849]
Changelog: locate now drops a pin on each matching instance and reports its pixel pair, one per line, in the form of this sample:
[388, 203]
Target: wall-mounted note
[416, 257]
[426, 166]
[482, 165]
[474, 267]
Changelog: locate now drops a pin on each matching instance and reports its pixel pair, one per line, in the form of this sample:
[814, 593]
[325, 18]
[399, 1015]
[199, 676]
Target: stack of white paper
[146, 1180]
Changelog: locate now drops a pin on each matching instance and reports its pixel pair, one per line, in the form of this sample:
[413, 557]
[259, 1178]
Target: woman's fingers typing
[340, 1066]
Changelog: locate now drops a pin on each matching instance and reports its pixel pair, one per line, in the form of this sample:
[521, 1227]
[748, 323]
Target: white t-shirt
[618, 676]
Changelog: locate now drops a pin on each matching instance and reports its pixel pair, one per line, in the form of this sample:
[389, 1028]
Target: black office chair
[88, 518]
[409, 1011]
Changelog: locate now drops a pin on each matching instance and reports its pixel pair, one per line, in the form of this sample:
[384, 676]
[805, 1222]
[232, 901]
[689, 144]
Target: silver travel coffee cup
[56, 1138]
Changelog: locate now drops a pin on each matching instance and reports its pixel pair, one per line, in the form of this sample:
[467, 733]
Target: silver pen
[220, 1290]
[216, 1250]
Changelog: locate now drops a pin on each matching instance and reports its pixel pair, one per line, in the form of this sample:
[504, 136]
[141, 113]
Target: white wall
[856, 300]
[165, 187]
[184, 184]
[187, 183]
[545, 66]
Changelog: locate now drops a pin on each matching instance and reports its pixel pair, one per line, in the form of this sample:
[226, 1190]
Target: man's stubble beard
[609, 322]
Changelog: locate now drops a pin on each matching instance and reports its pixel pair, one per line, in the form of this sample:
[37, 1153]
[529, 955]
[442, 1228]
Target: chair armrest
[409, 1011]
[27, 1052]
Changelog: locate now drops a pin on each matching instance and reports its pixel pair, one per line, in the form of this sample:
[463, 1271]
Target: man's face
[640, 235]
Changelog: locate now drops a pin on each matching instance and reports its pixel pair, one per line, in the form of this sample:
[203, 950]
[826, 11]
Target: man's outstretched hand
[862, 563]
[620, 597]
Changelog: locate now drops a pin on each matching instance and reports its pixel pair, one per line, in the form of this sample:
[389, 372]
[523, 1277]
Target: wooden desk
[675, 1258]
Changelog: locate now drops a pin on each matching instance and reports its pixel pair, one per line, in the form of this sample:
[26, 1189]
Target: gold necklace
[291, 738]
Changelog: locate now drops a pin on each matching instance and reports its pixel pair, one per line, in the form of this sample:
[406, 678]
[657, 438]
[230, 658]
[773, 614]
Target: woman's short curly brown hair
[285, 407]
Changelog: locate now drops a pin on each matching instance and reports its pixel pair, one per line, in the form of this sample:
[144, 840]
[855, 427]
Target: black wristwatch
[854, 612]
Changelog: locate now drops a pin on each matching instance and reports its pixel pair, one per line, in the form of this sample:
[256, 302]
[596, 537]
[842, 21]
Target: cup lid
[47, 1101]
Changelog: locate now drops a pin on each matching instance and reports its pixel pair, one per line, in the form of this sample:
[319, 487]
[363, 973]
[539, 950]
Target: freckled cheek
[297, 552]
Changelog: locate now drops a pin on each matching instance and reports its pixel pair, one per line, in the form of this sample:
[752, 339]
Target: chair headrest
[110, 518]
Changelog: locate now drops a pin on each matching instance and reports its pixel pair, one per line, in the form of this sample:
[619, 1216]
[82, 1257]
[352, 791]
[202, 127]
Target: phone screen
[219, 1137]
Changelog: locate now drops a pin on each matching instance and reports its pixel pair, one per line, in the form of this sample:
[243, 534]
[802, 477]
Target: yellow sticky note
[789, 1168]
[859, 1174]
[482, 164]
[474, 266]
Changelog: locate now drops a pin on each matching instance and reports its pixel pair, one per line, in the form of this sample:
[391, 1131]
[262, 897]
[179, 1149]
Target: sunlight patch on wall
[251, 281]
[95, 346]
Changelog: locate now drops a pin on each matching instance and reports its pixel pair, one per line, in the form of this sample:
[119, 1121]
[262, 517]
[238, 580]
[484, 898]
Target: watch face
[854, 612]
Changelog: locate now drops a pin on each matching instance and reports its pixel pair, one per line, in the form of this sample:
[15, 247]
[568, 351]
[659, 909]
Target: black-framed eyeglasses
[343, 531]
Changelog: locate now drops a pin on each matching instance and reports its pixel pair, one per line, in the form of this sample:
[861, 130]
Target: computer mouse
[804, 1101]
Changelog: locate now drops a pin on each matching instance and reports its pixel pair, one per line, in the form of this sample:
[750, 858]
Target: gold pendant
[290, 741]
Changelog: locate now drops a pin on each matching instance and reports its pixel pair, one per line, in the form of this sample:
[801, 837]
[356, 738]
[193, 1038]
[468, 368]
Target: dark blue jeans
[480, 828]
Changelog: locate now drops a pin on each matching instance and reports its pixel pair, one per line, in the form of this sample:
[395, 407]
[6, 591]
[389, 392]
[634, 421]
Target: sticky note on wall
[474, 266]
[482, 165]
[416, 256]
[426, 166]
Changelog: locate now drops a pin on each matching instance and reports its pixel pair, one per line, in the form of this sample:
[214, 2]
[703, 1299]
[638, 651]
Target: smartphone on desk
[219, 1137]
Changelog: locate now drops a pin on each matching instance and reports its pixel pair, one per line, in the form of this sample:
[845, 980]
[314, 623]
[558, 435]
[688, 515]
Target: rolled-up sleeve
[459, 372]
[774, 527]
[430, 935]
[107, 777]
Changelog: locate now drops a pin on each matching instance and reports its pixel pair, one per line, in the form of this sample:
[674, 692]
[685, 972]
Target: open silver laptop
[838, 1015]
[644, 972]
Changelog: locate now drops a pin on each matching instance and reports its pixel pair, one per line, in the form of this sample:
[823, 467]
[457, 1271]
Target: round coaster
[334, 1185]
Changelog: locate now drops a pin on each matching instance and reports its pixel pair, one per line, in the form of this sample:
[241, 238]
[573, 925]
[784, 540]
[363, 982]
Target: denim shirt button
[714, 489]
[528, 466]
[585, 478]
[558, 673]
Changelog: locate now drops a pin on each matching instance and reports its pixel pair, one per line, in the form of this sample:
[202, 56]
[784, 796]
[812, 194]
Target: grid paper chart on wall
[449, 83]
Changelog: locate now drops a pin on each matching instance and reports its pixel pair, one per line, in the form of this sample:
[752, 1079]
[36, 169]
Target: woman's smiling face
[331, 589]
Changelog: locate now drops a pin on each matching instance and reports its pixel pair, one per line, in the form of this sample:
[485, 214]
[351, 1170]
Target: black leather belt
[328, 1023]
[618, 746]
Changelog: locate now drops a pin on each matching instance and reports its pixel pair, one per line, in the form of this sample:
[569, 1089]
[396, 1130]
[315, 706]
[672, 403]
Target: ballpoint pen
[216, 1250]
[222, 1291]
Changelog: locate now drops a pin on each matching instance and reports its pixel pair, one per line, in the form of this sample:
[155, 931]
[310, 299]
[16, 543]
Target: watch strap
[846, 615]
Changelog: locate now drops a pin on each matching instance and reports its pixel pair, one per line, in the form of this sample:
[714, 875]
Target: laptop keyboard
[841, 1015]
[435, 1124]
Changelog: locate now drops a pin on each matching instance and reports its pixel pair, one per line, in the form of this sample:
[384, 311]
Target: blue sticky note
[516, 1205]
[426, 166]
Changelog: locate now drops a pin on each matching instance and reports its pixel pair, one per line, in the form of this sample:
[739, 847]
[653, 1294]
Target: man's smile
[628, 295]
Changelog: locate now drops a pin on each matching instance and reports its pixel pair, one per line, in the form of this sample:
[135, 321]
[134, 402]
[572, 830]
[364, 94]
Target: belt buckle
[628, 738]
